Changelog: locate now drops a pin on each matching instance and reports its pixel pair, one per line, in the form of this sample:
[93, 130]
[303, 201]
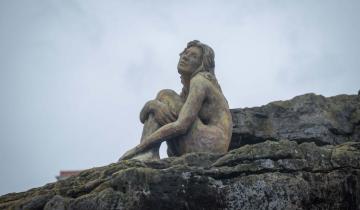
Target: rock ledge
[298, 154]
[270, 175]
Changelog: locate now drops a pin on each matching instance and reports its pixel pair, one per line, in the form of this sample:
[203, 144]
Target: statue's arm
[162, 113]
[187, 116]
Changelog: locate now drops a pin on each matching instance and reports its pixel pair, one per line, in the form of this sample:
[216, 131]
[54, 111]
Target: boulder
[305, 118]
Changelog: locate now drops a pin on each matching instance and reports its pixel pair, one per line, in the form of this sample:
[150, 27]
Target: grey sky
[75, 74]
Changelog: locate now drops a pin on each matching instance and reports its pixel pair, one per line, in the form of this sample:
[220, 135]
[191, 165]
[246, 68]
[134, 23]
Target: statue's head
[196, 57]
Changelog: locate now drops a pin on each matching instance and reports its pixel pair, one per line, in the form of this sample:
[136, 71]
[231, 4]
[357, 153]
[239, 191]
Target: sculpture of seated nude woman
[197, 120]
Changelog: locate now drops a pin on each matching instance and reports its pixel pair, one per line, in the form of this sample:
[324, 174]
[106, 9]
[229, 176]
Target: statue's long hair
[207, 66]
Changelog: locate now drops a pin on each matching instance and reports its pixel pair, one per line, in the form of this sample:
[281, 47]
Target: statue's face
[189, 60]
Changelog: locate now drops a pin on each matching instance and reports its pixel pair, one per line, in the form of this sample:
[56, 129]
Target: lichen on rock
[306, 118]
[274, 172]
[270, 175]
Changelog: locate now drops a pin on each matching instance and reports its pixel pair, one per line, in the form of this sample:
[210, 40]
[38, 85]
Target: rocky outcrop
[305, 118]
[270, 175]
[298, 154]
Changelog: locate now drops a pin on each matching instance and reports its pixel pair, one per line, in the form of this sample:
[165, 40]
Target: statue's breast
[205, 112]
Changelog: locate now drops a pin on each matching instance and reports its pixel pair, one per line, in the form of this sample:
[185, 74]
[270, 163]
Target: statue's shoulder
[203, 75]
[200, 78]
[208, 79]
[206, 76]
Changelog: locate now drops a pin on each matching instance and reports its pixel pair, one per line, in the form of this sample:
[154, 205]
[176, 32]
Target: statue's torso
[211, 131]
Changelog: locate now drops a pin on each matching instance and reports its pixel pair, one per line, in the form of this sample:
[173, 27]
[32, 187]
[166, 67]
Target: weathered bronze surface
[197, 120]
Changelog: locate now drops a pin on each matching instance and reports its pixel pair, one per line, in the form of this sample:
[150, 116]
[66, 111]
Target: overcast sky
[75, 74]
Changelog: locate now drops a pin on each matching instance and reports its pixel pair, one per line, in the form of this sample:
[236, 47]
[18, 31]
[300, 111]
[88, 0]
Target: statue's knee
[166, 93]
[170, 98]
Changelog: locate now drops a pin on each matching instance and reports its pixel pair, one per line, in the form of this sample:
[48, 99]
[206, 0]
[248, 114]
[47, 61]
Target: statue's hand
[163, 115]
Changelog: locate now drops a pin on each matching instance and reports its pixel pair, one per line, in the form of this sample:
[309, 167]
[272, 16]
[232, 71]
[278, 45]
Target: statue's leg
[174, 102]
[150, 125]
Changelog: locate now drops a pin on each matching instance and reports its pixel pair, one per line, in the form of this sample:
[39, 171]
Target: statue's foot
[149, 155]
[152, 154]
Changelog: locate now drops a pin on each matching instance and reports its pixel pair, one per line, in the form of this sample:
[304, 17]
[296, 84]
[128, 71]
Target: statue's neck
[185, 80]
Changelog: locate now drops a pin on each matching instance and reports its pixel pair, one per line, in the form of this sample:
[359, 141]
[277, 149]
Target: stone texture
[305, 118]
[270, 175]
[297, 154]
